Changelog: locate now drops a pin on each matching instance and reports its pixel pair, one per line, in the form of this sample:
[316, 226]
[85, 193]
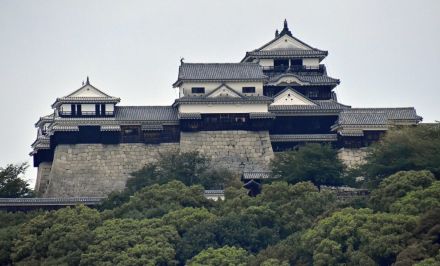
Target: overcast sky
[386, 53]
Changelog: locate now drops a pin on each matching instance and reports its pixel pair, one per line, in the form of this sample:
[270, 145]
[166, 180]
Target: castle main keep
[238, 114]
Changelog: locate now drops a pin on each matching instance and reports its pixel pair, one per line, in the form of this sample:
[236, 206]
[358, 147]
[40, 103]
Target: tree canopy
[163, 218]
[404, 149]
[313, 162]
[11, 184]
[221, 256]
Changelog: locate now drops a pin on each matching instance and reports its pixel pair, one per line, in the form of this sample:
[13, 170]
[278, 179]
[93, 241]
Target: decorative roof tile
[219, 72]
[289, 53]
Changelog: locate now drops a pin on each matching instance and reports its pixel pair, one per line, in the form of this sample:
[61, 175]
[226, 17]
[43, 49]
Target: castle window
[130, 134]
[248, 89]
[281, 64]
[75, 110]
[313, 93]
[198, 90]
[296, 62]
[100, 109]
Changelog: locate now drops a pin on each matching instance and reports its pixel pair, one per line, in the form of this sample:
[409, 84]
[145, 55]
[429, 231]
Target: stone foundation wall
[230, 148]
[352, 157]
[43, 177]
[97, 169]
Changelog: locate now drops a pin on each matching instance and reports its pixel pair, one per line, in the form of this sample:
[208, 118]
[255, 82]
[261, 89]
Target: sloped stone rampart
[95, 169]
[228, 149]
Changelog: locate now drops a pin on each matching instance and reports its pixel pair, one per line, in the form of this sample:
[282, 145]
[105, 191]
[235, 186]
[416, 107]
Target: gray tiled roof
[59, 101]
[219, 72]
[261, 115]
[50, 201]
[256, 175]
[190, 116]
[376, 116]
[303, 137]
[110, 128]
[291, 53]
[321, 106]
[145, 113]
[312, 78]
[43, 119]
[351, 133]
[152, 127]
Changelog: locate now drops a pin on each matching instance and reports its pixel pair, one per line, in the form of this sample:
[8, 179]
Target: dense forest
[163, 218]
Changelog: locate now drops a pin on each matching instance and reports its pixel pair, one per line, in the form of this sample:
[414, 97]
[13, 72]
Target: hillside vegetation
[162, 217]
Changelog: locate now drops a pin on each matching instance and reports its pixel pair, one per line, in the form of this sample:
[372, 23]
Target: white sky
[386, 53]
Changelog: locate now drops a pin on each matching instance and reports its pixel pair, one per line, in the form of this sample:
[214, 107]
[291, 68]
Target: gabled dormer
[287, 52]
[291, 97]
[87, 101]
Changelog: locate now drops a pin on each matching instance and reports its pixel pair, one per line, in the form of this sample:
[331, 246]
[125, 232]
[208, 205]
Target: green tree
[157, 200]
[9, 226]
[350, 236]
[184, 219]
[397, 186]
[224, 256]
[190, 168]
[11, 185]
[404, 149]
[55, 238]
[312, 162]
[132, 242]
[425, 242]
[419, 201]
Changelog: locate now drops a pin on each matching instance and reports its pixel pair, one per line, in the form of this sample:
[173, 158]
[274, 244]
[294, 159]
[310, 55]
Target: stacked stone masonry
[352, 157]
[97, 169]
[232, 149]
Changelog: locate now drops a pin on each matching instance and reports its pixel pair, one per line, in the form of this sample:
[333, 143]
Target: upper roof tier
[219, 72]
[285, 45]
[86, 94]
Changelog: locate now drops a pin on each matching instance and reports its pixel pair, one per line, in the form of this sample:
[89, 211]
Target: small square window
[198, 90]
[248, 90]
[313, 93]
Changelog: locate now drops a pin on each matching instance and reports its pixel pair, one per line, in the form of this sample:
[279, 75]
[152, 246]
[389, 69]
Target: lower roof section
[303, 137]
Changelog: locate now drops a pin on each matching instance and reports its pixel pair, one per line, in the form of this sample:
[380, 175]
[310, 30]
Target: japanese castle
[281, 87]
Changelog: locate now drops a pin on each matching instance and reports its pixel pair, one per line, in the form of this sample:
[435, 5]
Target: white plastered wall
[266, 62]
[65, 107]
[88, 107]
[87, 91]
[290, 97]
[185, 88]
[311, 62]
[286, 42]
[109, 107]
